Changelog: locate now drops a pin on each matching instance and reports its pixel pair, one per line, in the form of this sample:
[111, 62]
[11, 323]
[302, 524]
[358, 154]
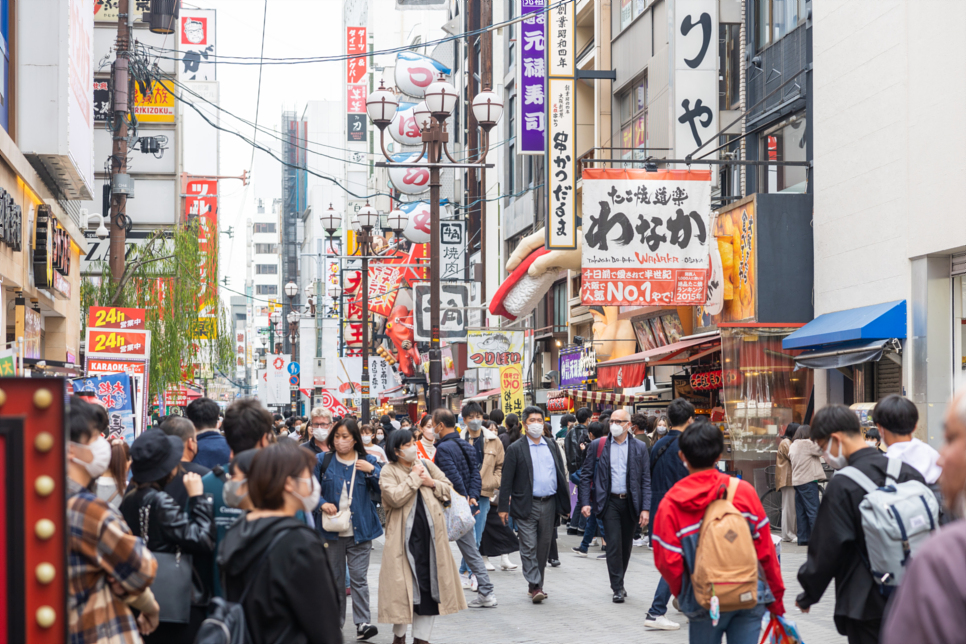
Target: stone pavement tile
[579, 608]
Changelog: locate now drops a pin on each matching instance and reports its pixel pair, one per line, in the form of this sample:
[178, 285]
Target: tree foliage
[165, 277]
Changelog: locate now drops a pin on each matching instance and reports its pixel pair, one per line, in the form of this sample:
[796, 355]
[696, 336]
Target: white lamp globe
[441, 98]
[381, 106]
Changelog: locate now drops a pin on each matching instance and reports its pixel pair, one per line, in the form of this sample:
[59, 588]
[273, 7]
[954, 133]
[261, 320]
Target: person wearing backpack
[575, 445]
[713, 546]
[620, 471]
[666, 470]
[273, 564]
[837, 546]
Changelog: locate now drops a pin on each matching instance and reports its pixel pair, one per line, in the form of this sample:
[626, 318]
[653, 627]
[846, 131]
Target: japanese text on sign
[355, 44]
[112, 317]
[645, 237]
[531, 77]
[560, 40]
[694, 30]
[511, 389]
[562, 214]
[494, 348]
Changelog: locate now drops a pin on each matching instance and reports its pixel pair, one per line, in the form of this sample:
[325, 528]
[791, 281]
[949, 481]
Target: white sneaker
[638, 542]
[594, 542]
[466, 579]
[489, 566]
[484, 601]
[506, 564]
[660, 623]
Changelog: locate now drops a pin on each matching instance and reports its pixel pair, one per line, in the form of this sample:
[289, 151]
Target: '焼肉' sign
[646, 237]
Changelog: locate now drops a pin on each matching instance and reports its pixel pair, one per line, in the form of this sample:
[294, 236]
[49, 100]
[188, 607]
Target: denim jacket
[365, 519]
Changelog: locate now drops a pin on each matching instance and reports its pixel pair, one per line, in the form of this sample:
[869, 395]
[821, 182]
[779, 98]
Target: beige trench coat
[399, 488]
[783, 466]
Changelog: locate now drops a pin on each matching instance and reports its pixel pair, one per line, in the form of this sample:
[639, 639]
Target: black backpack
[226, 620]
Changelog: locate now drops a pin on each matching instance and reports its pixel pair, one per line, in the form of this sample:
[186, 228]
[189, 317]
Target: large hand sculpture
[533, 269]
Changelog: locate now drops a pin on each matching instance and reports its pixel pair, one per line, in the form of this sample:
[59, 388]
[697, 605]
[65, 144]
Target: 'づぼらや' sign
[646, 237]
[487, 348]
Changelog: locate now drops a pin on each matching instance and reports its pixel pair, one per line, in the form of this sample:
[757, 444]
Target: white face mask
[367, 439]
[230, 494]
[429, 433]
[320, 433]
[835, 462]
[535, 430]
[872, 444]
[310, 502]
[379, 436]
[616, 430]
[100, 451]
[408, 454]
[662, 429]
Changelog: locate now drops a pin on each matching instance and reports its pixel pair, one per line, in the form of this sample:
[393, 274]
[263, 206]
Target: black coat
[170, 527]
[836, 548]
[576, 437]
[517, 481]
[598, 471]
[294, 587]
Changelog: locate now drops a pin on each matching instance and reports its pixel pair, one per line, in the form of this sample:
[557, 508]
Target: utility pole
[119, 149]
[486, 80]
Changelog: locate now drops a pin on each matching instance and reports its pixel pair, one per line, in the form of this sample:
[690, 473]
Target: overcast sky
[293, 28]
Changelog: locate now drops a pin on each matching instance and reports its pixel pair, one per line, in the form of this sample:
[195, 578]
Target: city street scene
[476, 321]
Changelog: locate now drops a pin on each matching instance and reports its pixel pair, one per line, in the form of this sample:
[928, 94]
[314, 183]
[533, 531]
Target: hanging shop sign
[531, 78]
[43, 248]
[114, 343]
[106, 10]
[409, 180]
[511, 389]
[706, 380]
[694, 35]
[201, 203]
[452, 250]
[657, 329]
[381, 377]
[115, 392]
[355, 99]
[197, 32]
[736, 242]
[28, 326]
[492, 348]
[561, 228]
[572, 376]
[414, 73]
[154, 102]
[11, 221]
[355, 128]
[454, 300]
[560, 40]
[646, 237]
[403, 128]
[355, 46]
[60, 249]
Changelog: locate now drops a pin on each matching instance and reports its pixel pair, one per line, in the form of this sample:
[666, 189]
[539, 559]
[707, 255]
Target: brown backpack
[725, 564]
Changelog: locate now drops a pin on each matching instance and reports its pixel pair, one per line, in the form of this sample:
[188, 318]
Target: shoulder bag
[341, 520]
[172, 586]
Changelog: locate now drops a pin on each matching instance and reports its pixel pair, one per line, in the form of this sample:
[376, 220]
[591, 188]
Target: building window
[266, 249]
[630, 9]
[268, 227]
[511, 164]
[266, 289]
[266, 269]
[776, 18]
[560, 307]
[633, 113]
[511, 48]
[729, 53]
[784, 142]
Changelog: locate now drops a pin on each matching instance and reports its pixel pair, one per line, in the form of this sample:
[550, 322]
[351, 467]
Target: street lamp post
[291, 290]
[273, 319]
[365, 220]
[440, 99]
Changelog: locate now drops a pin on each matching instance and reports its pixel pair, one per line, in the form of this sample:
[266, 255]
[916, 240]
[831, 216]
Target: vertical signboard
[202, 204]
[511, 389]
[694, 30]
[452, 248]
[355, 42]
[197, 39]
[531, 78]
[561, 228]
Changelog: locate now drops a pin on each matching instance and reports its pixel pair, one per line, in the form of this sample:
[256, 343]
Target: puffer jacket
[491, 471]
[457, 459]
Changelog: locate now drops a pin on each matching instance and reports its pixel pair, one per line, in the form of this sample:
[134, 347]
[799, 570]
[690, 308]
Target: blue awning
[876, 322]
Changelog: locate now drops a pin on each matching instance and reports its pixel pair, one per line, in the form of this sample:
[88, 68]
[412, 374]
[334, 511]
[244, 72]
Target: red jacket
[678, 524]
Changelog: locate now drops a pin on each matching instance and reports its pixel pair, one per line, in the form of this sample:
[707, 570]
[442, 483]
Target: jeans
[806, 509]
[535, 533]
[590, 531]
[740, 626]
[619, 522]
[661, 597]
[478, 529]
[471, 555]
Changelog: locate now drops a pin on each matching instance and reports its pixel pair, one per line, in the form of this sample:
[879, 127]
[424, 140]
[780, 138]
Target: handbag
[459, 517]
[172, 586]
[341, 520]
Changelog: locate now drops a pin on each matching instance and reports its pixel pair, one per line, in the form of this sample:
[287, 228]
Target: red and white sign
[330, 402]
[202, 204]
[403, 128]
[647, 237]
[356, 44]
[112, 317]
[130, 367]
[194, 30]
[111, 343]
[356, 99]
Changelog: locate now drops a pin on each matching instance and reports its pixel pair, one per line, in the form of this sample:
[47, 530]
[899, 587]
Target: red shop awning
[629, 371]
[600, 396]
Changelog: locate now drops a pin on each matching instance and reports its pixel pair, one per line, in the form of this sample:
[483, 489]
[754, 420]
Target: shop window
[762, 394]
[729, 55]
[784, 142]
[776, 18]
[633, 113]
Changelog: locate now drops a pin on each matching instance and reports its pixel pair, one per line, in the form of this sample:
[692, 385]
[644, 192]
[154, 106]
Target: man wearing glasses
[615, 480]
[319, 425]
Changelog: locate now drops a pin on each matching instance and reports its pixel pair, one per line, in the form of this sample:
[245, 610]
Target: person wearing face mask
[269, 548]
[319, 425]
[418, 580]
[930, 603]
[379, 438]
[347, 475]
[370, 444]
[837, 546]
[489, 454]
[185, 430]
[535, 480]
[426, 443]
[235, 493]
[620, 470]
[102, 548]
[168, 527]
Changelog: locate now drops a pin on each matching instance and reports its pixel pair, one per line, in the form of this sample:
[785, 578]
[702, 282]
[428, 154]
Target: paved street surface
[579, 607]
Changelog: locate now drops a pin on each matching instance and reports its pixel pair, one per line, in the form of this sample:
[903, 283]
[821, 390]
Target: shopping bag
[781, 631]
[459, 517]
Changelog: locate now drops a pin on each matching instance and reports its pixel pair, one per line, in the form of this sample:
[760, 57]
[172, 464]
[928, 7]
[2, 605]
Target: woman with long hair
[418, 579]
[783, 482]
[348, 475]
[807, 471]
[111, 484]
[272, 563]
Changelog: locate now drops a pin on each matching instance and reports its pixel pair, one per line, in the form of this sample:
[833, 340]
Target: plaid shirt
[102, 546]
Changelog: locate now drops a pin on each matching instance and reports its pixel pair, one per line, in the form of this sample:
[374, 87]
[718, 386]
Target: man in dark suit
[535, 481]
[621, 477]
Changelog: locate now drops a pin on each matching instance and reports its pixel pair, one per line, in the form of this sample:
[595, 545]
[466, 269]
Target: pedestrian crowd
[244, 526]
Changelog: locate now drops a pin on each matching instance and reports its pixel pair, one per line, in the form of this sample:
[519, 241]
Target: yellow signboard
[205, 329]
[511, 389]
[156, 104]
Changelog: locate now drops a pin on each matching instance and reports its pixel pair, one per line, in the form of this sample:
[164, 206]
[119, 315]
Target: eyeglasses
[323, 424]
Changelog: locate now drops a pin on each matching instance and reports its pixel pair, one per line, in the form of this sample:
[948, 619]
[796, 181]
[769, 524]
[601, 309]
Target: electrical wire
[258, 95]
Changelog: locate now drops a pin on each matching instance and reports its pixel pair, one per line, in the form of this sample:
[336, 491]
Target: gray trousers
[536, 532]
[471, 555]
[342, 551]
[789, 522]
